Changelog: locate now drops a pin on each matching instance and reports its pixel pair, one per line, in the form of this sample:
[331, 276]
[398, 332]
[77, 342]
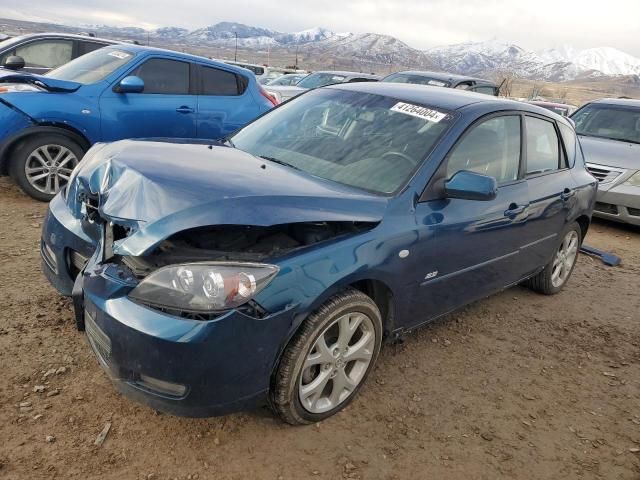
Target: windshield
[609, 121]
[286, 80]
[358, 139]
[92, 67]
[316, 80]
[415, 79]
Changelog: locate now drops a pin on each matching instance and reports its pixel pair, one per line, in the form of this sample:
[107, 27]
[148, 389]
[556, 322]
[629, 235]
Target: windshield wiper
[278, 161]
[609, 138]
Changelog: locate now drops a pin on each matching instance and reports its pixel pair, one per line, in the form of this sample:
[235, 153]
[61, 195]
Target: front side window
[609, 121]
[45, 53]
[162, 76]
[92, 67]
[214, 81]
[543, 147]
[363, 140]
[88, 47]
[491, 148]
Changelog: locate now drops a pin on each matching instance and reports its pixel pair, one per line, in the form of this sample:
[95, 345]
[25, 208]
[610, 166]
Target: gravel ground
[515, 386]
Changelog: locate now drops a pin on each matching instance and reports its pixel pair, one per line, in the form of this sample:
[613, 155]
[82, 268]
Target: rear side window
[491, 148]
[86, 47]
[569, 139]
[214, 81]
[169, 77]
[543, 147]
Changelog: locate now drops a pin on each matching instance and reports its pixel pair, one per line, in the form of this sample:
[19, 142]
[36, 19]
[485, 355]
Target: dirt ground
[515, 386]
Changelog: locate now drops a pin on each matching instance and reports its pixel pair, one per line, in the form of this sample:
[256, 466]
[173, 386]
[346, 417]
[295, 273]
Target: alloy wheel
[49, 167]
[564, 259]
[337, 362]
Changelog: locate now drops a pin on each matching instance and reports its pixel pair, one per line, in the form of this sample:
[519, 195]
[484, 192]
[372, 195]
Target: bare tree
[504, 79]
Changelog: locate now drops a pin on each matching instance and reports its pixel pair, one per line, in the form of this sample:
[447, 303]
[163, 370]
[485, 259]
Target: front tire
[556, 273]
[42, 164]
[328, 360]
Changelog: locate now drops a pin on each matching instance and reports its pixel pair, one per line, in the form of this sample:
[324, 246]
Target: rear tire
[557, 272]
[41, 164]
[328, 360]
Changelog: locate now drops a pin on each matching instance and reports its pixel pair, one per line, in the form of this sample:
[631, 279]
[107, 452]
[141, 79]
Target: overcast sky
[532, 24]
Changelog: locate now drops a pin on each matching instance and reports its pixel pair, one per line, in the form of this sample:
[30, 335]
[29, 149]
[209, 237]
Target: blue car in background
[48, 122]
[269, 268]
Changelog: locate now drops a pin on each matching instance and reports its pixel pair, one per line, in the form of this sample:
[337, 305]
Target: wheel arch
[44, 128]
[583, 221]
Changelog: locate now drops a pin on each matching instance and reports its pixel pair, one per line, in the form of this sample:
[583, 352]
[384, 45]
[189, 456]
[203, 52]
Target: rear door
[166, 107]
[468, 249]
[552, 189]
[224, 102]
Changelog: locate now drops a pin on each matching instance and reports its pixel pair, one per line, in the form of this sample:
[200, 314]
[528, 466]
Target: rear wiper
[278, 161]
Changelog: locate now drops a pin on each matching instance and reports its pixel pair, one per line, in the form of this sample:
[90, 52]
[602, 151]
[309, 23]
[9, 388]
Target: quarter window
[169, 77]
[569, 137]
[543, 147]
[214, 81]
[491, 148]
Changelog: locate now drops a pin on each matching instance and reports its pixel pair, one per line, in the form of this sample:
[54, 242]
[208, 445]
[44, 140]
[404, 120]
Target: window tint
[214, 81]
[569, 140]
[486, 90]
[164, 76]
[491, 148]
[46, 53]
[86, 47]
[543, 149]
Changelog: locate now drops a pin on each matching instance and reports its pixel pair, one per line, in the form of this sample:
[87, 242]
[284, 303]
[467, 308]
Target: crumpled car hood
[51, 84]
[611, 153]
[158, 189]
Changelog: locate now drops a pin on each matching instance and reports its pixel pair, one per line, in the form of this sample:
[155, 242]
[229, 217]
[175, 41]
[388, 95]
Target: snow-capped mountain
[316, 34]
[605, 60]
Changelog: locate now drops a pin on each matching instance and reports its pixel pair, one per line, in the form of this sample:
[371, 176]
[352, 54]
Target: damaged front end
[199, 240]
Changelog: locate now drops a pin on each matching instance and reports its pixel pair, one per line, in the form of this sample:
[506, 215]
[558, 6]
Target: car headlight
[203, 287]
[633, 180]
[19, 87]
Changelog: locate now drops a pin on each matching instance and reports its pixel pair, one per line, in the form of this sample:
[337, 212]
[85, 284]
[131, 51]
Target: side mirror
[130, 84]
[14, 62]
[471, 186]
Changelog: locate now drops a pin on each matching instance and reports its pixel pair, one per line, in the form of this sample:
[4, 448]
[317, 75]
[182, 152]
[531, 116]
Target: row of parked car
[267, 263]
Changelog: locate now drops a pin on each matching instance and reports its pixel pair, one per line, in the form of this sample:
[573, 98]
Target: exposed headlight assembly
[633, 180]
[203, 287]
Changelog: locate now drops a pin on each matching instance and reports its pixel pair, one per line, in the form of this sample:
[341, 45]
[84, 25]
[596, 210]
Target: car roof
[70, 36]
[625, 102]
[445, 77]
[131, 48]
[345, 73]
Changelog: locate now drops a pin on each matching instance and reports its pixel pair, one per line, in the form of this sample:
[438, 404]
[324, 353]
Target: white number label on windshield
[418, 111]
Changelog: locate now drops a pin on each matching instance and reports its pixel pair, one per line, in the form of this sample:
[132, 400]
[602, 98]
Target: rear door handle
[185, 109]
[567, 194]
[515, 210]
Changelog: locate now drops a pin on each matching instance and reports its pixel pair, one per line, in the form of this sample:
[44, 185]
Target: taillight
[268, 96]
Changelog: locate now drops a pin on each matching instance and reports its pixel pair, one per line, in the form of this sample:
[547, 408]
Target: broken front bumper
[620, 203]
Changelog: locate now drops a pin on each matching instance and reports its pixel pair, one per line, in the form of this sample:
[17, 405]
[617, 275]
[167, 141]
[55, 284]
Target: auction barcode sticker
[418, 111]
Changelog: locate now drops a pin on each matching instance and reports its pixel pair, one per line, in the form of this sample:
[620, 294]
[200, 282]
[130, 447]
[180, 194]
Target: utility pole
[235, 55]
[297, 46]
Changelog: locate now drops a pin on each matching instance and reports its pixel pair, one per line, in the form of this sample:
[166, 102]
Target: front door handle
[185, 109]
[567, 194]
[514, 210]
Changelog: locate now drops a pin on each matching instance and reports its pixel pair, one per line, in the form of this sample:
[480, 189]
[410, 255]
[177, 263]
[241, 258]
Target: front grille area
[97, 338]
[75, 262]
[634, 212]
[604, 174]
[606, 208]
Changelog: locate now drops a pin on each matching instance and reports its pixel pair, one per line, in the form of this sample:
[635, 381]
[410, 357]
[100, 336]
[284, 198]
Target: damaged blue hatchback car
[269, 268]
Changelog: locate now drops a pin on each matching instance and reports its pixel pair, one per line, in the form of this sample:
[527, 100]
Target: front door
[165, 108]
[468, 249]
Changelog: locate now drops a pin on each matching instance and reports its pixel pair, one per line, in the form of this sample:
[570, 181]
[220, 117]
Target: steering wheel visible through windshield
[92, 67]
[363, 140]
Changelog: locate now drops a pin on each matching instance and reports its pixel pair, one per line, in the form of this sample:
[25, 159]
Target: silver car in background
[609, 132]
[319, 79]
[287, 80]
